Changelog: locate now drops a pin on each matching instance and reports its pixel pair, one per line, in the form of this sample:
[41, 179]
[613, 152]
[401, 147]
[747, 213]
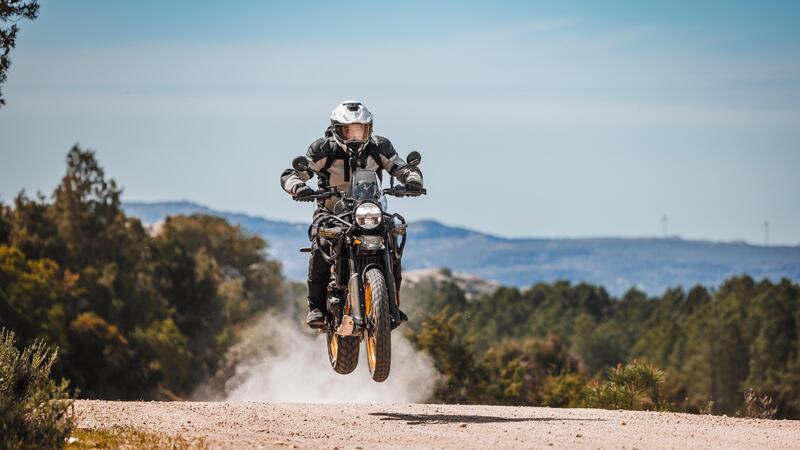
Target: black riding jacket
[325, 156]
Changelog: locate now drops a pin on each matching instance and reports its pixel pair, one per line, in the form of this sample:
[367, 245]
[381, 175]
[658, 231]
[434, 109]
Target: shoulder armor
[384, 146]
[319, 149]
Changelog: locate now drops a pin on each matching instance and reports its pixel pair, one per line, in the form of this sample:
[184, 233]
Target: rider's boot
[316, 305]
[314, 318]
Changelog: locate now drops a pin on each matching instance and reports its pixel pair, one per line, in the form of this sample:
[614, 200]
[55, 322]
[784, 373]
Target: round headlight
[368, 215]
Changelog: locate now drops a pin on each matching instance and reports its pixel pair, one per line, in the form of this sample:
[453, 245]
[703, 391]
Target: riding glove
[303, 193]
[415, 186]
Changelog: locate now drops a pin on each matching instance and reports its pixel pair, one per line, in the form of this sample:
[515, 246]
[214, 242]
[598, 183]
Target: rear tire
[379, 338]
[342, 352]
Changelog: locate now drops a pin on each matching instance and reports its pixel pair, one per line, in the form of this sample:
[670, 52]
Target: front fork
[355, 288]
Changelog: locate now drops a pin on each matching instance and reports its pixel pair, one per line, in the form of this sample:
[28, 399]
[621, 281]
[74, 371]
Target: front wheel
[342, 352]
[378, 339]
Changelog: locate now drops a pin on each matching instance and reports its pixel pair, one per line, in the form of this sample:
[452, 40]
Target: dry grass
[129, 438]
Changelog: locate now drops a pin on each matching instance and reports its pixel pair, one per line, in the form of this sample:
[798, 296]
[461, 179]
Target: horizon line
[672, 237]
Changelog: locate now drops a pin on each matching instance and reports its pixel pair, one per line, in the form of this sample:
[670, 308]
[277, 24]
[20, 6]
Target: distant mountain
[617, 263]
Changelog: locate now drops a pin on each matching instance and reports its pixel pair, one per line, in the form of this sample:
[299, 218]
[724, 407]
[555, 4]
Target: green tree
[34, 296]
[774, 350]
[5, 224]
[520, 368]
[464, 377]
[728, 340]
[137, 313]
[717, 349]
[10, 12]
[102, 362]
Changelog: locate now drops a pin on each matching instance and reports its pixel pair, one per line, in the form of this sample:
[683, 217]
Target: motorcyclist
[349, 135]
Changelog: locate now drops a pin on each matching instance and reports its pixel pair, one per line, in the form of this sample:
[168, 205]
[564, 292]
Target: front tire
[342, 352]
[379, 336]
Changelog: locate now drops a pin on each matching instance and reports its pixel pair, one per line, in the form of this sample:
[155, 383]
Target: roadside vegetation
[130, 438]
[136, 313]
[35, 411]
[730, 351]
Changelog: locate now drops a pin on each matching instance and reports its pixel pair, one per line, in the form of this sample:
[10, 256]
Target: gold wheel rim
[371, 345]
[334, 345]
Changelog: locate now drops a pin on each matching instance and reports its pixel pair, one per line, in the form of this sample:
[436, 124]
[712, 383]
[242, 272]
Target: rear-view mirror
[414, 158]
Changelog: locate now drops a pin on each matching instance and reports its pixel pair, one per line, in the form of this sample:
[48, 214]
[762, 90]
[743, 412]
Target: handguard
[397, 192]
[317, 195]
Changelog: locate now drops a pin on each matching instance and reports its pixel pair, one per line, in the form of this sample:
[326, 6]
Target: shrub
[520, 367]
[35, 412]
[635, 386]
[564, 391]
[757, 406]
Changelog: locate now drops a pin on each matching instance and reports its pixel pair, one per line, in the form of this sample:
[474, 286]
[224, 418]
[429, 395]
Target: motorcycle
[364, 243]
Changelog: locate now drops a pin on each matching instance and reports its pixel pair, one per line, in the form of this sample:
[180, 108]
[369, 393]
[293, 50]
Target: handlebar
[324, 195]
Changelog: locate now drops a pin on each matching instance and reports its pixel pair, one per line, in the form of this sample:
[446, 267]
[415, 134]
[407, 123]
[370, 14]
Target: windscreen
[365, 185]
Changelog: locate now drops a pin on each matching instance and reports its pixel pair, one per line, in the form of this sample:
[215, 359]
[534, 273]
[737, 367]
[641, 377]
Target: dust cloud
[279, 360]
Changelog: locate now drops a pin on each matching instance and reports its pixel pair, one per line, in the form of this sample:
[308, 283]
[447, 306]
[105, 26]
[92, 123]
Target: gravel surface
[369, 426]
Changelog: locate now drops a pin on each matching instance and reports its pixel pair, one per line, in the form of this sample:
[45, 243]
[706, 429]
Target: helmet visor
[355, 132]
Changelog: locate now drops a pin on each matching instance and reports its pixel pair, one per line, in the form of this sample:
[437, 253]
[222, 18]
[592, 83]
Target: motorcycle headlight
[368, 215]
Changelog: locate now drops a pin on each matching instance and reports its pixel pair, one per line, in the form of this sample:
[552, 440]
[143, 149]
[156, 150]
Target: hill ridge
[651, 264]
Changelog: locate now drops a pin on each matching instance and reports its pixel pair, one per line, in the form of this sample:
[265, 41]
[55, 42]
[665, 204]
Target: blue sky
[534, 118]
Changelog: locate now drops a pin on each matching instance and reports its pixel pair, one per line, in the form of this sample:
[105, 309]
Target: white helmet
[351, 125]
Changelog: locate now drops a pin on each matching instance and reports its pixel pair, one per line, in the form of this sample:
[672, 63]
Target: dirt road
[280, 425]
